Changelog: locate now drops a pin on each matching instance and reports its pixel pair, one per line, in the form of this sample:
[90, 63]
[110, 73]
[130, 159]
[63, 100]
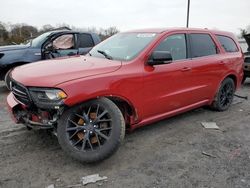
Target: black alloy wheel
[224, 96]
[91, 131]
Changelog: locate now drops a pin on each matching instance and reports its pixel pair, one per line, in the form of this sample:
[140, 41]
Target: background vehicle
[245, 46]
[46, 46]
[127, 81]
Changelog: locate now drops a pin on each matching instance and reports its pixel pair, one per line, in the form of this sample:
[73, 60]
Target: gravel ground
[168, 153]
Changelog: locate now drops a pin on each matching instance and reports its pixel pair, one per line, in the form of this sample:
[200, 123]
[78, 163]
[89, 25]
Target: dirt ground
[168, 153]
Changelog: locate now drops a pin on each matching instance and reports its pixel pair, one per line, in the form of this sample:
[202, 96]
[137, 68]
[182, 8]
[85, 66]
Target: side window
[64, 42]
[84, 40]
[202, 45]
[227, 43]
[176, 45]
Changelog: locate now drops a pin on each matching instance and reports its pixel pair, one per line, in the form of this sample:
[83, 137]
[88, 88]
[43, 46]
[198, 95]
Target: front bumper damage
[31, 116]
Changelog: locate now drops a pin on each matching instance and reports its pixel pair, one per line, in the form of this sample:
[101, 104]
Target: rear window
[202, 45]
[84, 41]
[227, 43]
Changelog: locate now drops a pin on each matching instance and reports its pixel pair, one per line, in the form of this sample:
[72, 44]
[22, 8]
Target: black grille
[20, 92]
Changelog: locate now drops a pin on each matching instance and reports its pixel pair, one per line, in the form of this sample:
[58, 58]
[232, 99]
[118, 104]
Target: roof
[161, 30]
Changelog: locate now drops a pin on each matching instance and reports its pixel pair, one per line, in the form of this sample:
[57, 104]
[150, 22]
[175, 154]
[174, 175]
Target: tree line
[20, 33]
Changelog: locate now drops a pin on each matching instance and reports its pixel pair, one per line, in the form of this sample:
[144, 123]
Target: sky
[229, 15]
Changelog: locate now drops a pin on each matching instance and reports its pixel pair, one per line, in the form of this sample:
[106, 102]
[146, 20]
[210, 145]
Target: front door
[64, 45]
[167, 87]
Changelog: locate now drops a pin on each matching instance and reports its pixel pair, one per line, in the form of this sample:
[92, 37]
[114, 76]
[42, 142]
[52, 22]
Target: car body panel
[77, 66]
[154, 92]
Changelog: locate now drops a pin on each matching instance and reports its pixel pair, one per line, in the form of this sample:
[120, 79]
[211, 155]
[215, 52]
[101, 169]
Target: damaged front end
[37, 108]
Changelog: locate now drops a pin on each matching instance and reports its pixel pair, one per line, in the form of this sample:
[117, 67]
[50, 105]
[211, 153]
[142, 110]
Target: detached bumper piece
[23, 110]
[33, 119]
[24, 118]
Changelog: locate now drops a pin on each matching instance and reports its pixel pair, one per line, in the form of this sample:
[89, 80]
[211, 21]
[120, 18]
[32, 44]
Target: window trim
[220, 35]
[201, 33]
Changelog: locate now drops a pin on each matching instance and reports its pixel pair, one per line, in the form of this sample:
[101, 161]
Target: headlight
[53, 95]
[47, 97]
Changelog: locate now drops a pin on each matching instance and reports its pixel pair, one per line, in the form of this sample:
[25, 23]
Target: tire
[224, 96]
[84, 137]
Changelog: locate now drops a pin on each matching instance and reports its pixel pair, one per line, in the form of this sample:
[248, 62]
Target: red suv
[127, 81]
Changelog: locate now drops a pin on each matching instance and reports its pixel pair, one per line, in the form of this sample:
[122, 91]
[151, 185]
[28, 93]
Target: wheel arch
[10, 66]
[234, 78]
[127, 108]
[229, 75]
[16, 64]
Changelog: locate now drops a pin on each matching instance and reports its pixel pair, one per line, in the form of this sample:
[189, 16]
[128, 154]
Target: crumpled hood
[50, 73]
[12, 47]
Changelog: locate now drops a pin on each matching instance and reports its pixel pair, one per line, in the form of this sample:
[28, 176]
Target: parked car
[245, 46]
[127, 81]
[46, 46]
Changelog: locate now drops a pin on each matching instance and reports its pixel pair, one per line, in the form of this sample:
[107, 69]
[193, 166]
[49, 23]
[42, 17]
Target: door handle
[221, 62]
[186, 69]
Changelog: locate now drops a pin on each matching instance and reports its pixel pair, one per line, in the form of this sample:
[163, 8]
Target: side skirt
[168, 114]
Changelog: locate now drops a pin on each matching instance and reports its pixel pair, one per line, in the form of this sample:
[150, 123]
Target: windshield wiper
[105, 54]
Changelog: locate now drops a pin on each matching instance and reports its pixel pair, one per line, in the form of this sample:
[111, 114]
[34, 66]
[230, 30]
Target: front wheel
[224, 96]
[92, 131]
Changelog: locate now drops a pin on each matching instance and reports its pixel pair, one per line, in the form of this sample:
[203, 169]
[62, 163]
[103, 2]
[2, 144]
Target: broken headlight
[47, 98]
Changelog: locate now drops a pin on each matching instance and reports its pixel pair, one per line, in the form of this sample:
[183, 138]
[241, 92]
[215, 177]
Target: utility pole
[188, 13]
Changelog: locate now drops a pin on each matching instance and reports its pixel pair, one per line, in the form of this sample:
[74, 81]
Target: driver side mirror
[160, 57]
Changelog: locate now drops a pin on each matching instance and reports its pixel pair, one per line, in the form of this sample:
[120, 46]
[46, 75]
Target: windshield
[36, 42]
[122, 46]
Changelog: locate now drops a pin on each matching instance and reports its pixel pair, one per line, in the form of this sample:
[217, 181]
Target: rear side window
[202, 45]
[227, 43]
[176, 45]
[84, 41]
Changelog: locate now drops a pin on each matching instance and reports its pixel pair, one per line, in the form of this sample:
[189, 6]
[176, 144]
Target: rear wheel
[224, 96]
[92, 131]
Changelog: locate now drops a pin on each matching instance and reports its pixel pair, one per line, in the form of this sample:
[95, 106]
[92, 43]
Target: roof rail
[61, 28]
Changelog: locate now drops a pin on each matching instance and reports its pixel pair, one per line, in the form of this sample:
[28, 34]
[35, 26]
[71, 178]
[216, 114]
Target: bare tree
[18, 33]
[244, 31]
[3, 34]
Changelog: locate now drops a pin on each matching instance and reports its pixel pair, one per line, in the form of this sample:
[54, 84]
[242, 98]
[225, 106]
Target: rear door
[208, 65]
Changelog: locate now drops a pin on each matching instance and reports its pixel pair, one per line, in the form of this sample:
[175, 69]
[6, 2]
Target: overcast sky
[128, 14]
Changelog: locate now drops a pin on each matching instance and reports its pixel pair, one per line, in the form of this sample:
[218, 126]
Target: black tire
[98, 135]
[224, 96]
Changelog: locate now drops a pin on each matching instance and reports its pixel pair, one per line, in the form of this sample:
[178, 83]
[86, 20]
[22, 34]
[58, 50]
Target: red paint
[153, 92]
